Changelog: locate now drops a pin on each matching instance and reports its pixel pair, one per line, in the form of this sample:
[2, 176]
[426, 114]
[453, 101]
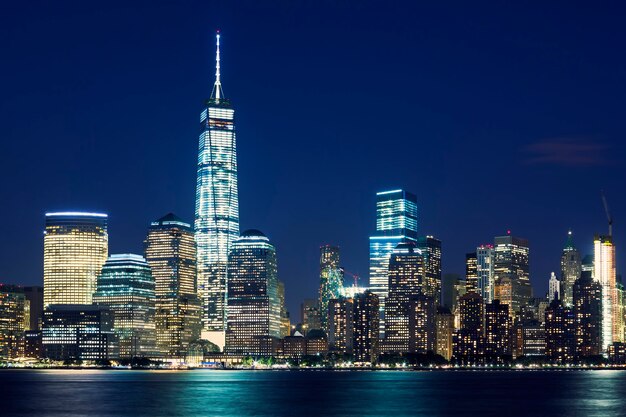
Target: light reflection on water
[311, 393]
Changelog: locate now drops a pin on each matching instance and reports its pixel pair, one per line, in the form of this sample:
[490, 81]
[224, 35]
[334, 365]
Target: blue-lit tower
[396, 222]
[217, 206]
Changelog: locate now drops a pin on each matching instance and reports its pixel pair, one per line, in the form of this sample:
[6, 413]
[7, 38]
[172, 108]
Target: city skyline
[269, 208]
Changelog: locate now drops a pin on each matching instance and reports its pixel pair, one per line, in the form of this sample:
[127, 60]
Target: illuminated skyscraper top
[217, 205]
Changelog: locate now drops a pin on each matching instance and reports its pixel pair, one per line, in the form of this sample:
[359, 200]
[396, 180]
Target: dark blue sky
[497, 116]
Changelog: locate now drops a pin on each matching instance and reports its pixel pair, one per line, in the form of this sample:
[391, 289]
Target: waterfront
[311, 393]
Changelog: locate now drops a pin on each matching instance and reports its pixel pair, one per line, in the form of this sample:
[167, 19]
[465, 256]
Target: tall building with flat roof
[14, 320]
[75, 246]
[511, 272]
[604, 273]
[587, 305]
[253, 320]
[571, 269]
[170, 250]
[126, 286]
[34, 294]
[365, 345]
[431, 251]
[217, 206]
[484, 272]
[471, 273]
[396, 222]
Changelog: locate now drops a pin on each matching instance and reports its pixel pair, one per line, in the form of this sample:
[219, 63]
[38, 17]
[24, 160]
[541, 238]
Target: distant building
[484, 272]
[79, 332]
[448, 293]
[14, 320]
[75, 246]
[498, 343]
[554, 288]
[170, 250]
[341, 325]
[366, 327]
[468, 340]
[571, 269]
[471, 273]
[444, 332]
[511, 272]
[560, 333]
[310, 314]
[431, 251]
[34, 294]
[396, 222]
[331, 280]
[253, 308]
[126, 287]
[285, 322]
[534, 338]
[587, 306]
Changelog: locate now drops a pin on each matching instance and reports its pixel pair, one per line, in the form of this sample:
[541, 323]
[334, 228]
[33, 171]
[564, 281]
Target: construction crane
[354, 276]
[608, 214]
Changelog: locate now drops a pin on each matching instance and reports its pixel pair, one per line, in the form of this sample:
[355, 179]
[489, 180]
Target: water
[311, 393]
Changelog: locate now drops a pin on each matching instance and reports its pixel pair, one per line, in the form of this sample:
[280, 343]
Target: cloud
[570, 152]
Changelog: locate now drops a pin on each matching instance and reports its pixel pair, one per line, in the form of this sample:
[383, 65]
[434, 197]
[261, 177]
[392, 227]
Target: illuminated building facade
[468, 339]
[533, 338]
[75, 246]
[14, 320]
[78, 332]
[511, 272]
[471, 272]
[498, 331]
[396, 222]
[604, 273]
[587, 305]
[444, 332]
[560, 328]
[431, 251]
[331, 280]
[170, 250]
[217, 206]
[126, 287]
[484, 272]
[341, 325]
[253, 320]
[366, 327]
[571, 269]
[554, 288]
[406, 277]
[422, 324]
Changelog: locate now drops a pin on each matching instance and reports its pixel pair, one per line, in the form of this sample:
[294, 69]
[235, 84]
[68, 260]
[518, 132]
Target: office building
[422, 324]
[534, 338]
[217, 205]
[341, 325]
[253, 319]
[331, 280]
[484, 272]
[285, 322]
[511, 272]
[396, 222]
[78, 332]
[471, 273]
[310, 315]
[587, 306]
[75, 248]
[554, 288]
[448, 296]
[126, 287]
[14, 320]
[431, 251]
[571, 269]
[170, 251]
[34, 295]
[444, 332]
[406, 278]
[468, 339]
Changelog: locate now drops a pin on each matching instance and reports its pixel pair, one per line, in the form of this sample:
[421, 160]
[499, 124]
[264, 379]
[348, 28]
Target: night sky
[498, 116]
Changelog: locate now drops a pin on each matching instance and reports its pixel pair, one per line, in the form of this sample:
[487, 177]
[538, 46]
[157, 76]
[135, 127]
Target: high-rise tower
[331, 280]
[217, 206]
[571, 269]
[604, 273]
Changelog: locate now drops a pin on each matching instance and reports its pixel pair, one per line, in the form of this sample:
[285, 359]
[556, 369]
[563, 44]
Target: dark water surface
[311, 393]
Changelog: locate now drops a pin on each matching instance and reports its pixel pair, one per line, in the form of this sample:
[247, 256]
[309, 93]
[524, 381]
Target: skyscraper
[571, 268]
[170, 250]
[396, 222]
[406, 278]
[126, 286]
[14, 320]
[310, 314]
[253, 321]
[331, 280]
[560, 333]
[445, 332]
[484, 272]
[217, 206]
[511, 272]
[341, 325]
[431, 251]
[604, 272]
[497, 331]
[554, 288]
[34, 294]
[587, 304]
[75, 246]
[471, 273]
[468, 340]
[366, 327]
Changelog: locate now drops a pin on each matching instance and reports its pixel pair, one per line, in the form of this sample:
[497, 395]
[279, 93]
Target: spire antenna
[217, 92]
